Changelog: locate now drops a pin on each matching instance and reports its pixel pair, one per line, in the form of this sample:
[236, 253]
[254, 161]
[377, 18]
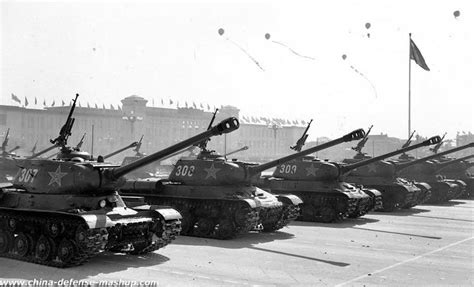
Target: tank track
[282, 217]
[326, 208]
[140, 237]
[69, 243]
[364, 205]
[217, 219]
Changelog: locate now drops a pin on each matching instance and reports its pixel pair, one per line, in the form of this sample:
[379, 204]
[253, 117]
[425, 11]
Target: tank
[458, 169]
[62, 212]
[8, 166]
[381, 175]
[426, 170]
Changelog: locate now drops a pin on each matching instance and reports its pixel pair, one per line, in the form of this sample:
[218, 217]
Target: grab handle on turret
[346, 168]
[226, 126]
[401, 166]
[355, 135]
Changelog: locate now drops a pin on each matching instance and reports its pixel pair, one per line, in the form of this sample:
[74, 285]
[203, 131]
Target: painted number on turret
[27, 175]
[184, 170]
[288, 168]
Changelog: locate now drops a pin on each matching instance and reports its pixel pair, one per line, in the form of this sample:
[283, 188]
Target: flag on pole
[63, 103]
[53, 103]
[44, 103]
[26, 101]
[16, 99]
[36, 101]
[416, 56]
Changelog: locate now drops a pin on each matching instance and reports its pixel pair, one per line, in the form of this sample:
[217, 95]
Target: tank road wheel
[307, 212]
[22, 244]
[187, 222]
[81, 236]
[6, 240]
[204, 227]
[53, 229]
[11, 224]
[65, 250]
[328, 214]
[226, 229]
[44, 248]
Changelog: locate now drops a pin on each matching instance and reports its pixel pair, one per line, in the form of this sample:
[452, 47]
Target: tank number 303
[184, 170]
[288, 168]
[27, 175]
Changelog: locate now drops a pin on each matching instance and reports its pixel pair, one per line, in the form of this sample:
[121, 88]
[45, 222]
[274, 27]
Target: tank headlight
[102, 203]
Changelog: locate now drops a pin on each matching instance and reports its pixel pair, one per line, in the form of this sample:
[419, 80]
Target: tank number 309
[288, 168]
[184, 170]
[27, 175]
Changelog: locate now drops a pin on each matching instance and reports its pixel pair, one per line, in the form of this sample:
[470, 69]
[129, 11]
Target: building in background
[113, 128]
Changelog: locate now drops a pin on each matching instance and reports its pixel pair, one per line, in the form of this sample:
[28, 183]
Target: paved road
[427, 245]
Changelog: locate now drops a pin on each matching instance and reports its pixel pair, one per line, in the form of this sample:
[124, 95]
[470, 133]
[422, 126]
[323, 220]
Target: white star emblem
[372, 168]
[311, 170]
[211, 172]
[56, 176]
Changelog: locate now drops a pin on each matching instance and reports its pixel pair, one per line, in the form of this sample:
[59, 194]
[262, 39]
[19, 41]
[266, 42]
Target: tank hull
[323, 202]
[47, 228]
[220, 212]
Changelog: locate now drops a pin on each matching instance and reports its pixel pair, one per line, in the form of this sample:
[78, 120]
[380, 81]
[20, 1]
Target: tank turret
[63, 212]
[426, 169]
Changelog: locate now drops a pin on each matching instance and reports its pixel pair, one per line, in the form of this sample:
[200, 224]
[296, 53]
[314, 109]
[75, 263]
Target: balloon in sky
[456, 13]
[367, 25]
[344, 56]
[220, 31]
[267, 36]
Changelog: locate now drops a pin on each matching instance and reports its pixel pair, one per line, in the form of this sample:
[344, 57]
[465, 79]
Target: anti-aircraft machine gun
[8, 166]
[405, 156]
[381, 175]
[360, 145]
[302, 140]
[63, 212]
[427, 170]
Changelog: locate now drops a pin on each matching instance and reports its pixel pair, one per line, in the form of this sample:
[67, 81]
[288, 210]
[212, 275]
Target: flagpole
[409, 84]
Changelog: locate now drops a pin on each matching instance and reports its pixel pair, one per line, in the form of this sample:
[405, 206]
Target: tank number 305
[288, 168]
[184, 170]
[27, 175]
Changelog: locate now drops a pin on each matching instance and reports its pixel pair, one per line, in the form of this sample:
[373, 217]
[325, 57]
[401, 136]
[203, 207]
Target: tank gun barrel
[226, 126]
[349, 167]
[355, 135]
[401, 166]
[14, 149]
[41, 152]
[237, 150]
[134, 144]
[442, 165]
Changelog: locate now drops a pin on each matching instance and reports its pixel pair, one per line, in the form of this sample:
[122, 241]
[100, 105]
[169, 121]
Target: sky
[106, 51]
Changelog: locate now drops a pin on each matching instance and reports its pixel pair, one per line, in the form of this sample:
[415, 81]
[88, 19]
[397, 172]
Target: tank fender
[97, 220]
[167, 212]
[374, 191]
[289, 199]
[252, 203]
[424, 184]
